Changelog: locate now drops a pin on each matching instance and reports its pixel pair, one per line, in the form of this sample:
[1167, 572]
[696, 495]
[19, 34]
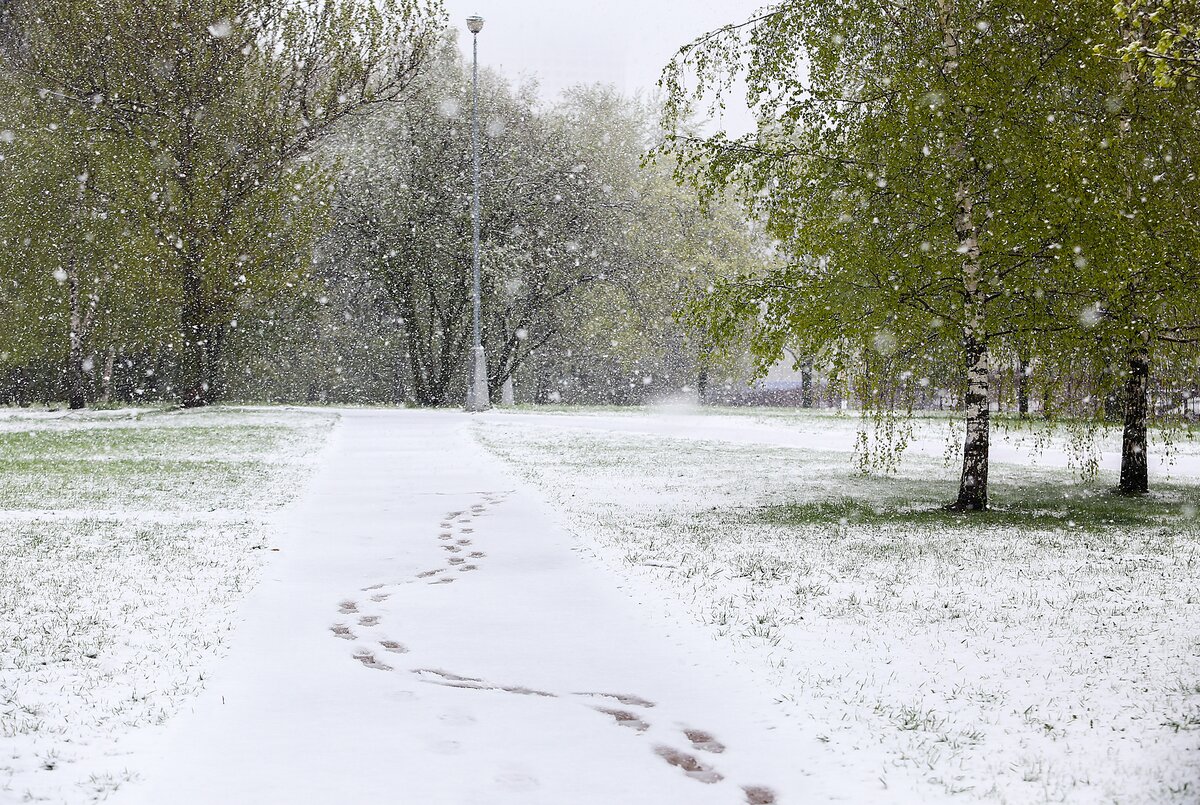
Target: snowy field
[1047, 652]
[650, 607]
[127, 539]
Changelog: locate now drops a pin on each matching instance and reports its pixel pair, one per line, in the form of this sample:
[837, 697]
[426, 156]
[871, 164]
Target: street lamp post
[477, 384]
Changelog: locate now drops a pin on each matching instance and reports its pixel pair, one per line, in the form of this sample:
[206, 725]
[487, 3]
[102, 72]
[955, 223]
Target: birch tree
[892, 162]
[1138, 284]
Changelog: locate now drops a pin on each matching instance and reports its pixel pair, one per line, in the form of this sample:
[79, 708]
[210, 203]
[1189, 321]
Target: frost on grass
[1044, 652]
[118, 578]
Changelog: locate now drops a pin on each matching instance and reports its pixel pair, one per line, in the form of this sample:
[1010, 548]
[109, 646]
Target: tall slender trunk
[1134, 448]
[76, 380]
[973, 483]
[214, 342]
[1135, 478]
[201, 338]
[197, 382]
[704, 356]
[806, 384]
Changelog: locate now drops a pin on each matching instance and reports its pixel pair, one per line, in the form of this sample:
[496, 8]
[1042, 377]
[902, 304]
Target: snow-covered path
[428, 634]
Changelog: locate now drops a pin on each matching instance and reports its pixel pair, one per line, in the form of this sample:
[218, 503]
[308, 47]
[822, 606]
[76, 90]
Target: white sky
[621, 42]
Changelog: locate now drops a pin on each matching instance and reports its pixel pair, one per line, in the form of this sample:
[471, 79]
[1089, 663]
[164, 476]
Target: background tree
[80, 285]
[404, 228]
[570, 227]
[226, 98]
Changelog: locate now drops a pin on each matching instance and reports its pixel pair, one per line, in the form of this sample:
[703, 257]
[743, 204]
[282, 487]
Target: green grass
[181, 461]
[904, 502]
[106, 441]
[142, 483]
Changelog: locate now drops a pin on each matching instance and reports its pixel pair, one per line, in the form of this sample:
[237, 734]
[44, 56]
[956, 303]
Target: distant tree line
[268, 200]
[587, 255]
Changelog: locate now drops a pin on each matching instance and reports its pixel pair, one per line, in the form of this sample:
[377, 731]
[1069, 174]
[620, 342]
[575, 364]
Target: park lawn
[126, 539]
[1045, 651]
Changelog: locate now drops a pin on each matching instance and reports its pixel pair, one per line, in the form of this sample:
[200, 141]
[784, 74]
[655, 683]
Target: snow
[300, 713]
[580, 607]
[985, 663]
[119, 575]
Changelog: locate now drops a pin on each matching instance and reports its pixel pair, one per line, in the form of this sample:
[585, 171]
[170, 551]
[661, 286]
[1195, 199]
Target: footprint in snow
[368, 659]
[623, 698]
[626, 719]
[691, 766]
[759, 795]
[704, 742]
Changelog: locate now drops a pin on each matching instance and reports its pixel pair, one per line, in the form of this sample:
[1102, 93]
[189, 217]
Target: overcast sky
[621, 42]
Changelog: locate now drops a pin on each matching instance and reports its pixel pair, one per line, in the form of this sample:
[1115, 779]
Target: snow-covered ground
[580, 608]
[127, 538]
[427, 634]
[1048, 655]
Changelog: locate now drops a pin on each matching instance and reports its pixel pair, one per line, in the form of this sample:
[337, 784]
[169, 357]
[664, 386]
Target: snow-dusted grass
[1045, 652]
[126, 538]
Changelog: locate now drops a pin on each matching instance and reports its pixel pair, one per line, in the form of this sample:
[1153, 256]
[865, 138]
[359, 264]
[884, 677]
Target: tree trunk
[1134, 462]
[214, 342]
[973, 484]
[1134, 448]
[195, 386]
[76, 381]
[806, 384]
[1022, 388]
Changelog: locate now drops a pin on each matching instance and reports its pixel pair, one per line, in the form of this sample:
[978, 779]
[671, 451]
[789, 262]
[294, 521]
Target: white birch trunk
[973, 484]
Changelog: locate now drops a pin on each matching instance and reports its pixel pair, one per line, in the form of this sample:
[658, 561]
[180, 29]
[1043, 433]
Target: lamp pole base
[477, 385]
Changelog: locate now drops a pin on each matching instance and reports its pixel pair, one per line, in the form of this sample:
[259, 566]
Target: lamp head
[475, 24]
